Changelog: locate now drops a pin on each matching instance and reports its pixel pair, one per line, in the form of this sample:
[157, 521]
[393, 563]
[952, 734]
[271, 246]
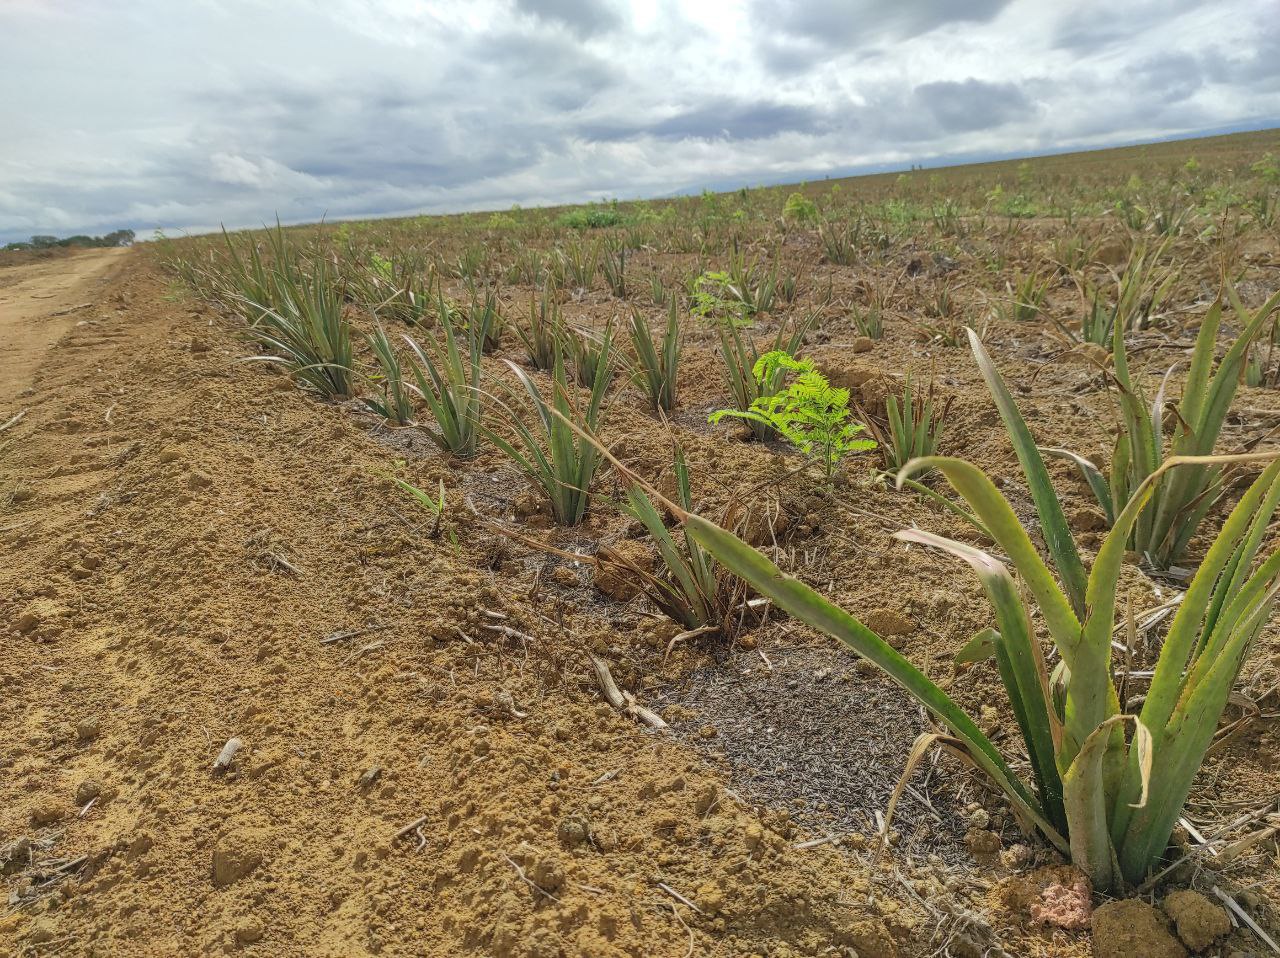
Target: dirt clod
[48, 812]
[1133, 929]
[1087, 519]
[41, 931]
[232, 864]
[889, 622]
[87, 729]
[87, 791]
[1058, 895]
[248, 931]
[572, 832]
[15, 856]
[1199, 921]
[616, 578]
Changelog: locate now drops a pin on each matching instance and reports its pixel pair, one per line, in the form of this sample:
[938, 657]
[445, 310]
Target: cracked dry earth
[182, 532]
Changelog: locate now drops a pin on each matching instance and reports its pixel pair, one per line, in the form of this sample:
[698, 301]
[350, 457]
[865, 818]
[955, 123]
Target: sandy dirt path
[39, 302]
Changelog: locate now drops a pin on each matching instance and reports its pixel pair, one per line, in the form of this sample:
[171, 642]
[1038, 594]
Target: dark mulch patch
[823, 740]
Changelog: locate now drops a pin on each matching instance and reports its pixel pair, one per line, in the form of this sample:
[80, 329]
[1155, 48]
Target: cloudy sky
[186, 113]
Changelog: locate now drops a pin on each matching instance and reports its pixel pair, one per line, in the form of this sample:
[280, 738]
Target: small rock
[572, 832]
[848, 377]
[15, 857]
[708, 797]
[1017, 856]
[563, 575]
[1133, 929]
[710, 897]
[1199, 921]
[141, 844]
[982, 841]
[87, 729]
[41, 930]
[762, 526]
[1090, 355]
[527, 504]
[1111, 253]
[230, 865]
[87, 791]
[988, 719]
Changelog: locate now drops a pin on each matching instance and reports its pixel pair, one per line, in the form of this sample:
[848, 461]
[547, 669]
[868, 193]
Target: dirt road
[39, 302]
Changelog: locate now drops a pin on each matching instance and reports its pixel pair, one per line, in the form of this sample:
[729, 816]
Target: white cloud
[188, 115]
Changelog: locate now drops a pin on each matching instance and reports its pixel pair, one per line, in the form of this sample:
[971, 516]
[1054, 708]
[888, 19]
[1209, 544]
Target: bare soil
[175, 568]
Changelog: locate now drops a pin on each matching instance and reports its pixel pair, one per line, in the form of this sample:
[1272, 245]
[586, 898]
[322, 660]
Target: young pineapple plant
[613, 267]
[1029, 297]
[657, 364]
[552, 449]
[1181, 500]
[1137, 298]
[691, 588]
[306, 328]
[840, 241]
[913, 424]
[591, 355]
[396, 404]
[448, 380]
[544, 336]
[579, 261]
[1106, 787]
[869, 322]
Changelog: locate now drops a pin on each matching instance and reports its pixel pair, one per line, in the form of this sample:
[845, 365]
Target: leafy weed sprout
[740, 356]
[809, 412]
[800, 208]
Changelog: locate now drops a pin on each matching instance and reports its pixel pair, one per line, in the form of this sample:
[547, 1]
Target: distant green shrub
[800, 208]
[592, 217]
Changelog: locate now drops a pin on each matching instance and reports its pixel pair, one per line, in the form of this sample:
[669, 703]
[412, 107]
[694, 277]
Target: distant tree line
[114, 238]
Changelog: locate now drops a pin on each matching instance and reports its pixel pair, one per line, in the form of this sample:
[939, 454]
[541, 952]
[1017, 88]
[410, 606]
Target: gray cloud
[837, 23]
[583, 17]
[233, 110]
[972, 104]
[1094, 26]
[798, 32]
[719, 119]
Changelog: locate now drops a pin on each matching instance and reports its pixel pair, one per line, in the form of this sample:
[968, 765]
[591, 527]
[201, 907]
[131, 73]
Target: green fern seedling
[809, 413]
